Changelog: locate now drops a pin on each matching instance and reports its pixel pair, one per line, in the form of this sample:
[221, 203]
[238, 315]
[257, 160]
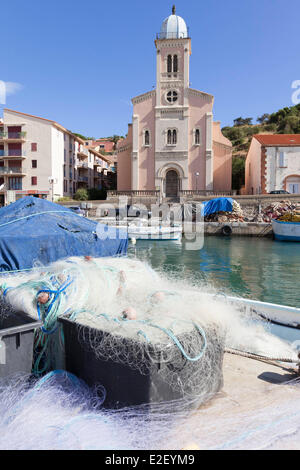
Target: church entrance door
[172, 184]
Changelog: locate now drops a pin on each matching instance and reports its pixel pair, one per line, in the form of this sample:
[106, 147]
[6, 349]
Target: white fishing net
[59, 412]
[173, 332]
[147, 317]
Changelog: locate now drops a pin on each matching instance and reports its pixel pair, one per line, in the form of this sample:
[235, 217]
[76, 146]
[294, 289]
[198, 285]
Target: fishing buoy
[129, 313]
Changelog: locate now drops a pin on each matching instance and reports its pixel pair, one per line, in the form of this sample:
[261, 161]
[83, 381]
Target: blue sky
[80, 63]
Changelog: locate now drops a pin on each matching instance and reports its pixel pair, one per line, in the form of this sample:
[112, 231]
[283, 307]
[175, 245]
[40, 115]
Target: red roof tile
[278, 139]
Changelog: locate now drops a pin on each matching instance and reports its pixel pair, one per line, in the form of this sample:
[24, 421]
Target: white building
[40, 157]
[273, 164]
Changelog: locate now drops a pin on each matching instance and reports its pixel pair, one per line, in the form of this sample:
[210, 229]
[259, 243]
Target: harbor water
[255, 268]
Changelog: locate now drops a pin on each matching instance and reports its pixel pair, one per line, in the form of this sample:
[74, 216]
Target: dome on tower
[173, 27]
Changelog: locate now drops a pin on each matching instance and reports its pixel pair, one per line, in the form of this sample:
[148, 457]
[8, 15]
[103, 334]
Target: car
[77, 210]
[279, 191]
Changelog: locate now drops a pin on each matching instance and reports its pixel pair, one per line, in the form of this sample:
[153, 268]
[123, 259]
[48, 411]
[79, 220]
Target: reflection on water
[257, 268]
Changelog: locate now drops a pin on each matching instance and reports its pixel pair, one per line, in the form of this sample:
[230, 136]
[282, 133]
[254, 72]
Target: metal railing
[12, 153]
[98, 162]
[167, 35]
[82, 165]
[204, 193]
[10, 170]
[83, 151]
[12, 135]
[133, 193]
[83, 179]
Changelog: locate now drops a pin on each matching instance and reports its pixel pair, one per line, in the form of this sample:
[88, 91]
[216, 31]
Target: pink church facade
[173, 145]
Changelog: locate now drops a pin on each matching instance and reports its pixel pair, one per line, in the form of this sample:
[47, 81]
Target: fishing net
[128, 314]
[170, 328]
[60, 412]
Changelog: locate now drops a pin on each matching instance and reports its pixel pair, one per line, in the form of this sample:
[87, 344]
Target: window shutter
[281, 159]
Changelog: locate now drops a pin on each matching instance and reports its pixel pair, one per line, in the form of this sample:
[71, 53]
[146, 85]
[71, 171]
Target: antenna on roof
[173, 10]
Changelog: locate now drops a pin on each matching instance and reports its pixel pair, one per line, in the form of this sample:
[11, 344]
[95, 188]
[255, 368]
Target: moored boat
[142, 232]
[286, 231]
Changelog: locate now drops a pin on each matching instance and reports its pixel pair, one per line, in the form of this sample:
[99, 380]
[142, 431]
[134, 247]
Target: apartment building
[93, 169]
[101, 145]
[40, 157]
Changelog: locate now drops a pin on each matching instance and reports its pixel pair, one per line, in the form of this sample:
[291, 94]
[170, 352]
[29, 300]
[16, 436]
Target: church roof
[173, 27]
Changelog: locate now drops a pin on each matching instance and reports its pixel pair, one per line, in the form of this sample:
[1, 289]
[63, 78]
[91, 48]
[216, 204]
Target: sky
[80, 63]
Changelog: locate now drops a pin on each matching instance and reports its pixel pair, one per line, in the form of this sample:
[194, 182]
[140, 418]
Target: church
[173, 144]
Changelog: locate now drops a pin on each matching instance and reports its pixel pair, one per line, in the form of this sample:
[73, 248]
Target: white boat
[278, 314]
[162, 233]
[286, 231]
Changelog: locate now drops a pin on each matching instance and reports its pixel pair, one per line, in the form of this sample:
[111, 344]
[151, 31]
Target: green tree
[242, 121]
[238, 172]
[81, 195]
[263, 119]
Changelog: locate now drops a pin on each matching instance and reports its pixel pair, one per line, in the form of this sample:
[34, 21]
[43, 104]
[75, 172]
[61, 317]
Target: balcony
[173, 75]
[83, 153]
[5, 170]
[83, 165]
[82, 179]
[13, 136]
[98, 162]
[168, 35]
[12, 154]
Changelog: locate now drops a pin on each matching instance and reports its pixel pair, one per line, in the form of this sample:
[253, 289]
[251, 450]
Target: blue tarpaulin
[220, 204]
[36, 230]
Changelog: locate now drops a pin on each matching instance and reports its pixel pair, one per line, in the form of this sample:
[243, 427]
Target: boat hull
[278, 314]
[286, 231]
[157, 234]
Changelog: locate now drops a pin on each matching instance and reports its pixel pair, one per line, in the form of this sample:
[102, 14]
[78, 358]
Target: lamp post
[197, 174]
[52, 181]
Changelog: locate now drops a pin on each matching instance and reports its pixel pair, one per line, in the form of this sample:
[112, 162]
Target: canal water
[256, 268]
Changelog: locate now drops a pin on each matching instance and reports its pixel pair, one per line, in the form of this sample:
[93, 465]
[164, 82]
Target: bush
[271, 127]
[81, 195]
[64, 199]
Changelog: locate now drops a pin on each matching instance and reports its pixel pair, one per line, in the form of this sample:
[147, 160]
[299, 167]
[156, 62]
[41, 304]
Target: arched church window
[147, 138]
[172, 96]
[197, 136]
[169, 64]
[175, 64]
[174, 137]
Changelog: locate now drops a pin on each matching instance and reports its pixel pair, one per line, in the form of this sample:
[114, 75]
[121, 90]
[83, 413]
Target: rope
[258, 357]
[168, 332]
[179, 345]
[33, 215]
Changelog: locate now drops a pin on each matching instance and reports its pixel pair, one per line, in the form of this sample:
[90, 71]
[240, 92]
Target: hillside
[284, 121]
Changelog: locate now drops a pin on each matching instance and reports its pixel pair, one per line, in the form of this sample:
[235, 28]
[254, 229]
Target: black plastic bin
[16, 341]
[125, 386]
